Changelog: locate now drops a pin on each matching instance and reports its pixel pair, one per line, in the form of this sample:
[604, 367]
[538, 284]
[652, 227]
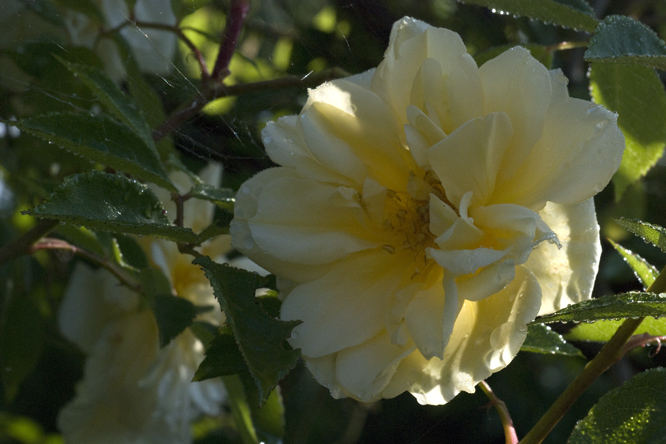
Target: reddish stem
[235, 19]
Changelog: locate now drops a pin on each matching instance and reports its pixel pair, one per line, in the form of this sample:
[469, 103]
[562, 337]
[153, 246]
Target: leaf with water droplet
[260, 337]
[650, 233]
[99, 138]
[633, 304]
[644, 271]
[576, 14]
[97, 201]
[222, 197]
[633, 413]
[637, 94]
[541, 339]
[621, 39]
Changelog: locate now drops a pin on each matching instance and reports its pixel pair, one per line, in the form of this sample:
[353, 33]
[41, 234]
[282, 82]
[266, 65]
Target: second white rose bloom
[425, 212]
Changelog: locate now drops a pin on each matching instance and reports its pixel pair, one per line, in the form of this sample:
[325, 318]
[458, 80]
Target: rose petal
[567, 274]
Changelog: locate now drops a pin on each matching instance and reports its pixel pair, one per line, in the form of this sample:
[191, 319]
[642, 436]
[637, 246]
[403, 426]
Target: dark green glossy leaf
[101, 139]
[541, 339]
[626, 305]
[131, 252]
[622, 39]
[110, 202]
[21, 335]
[637, 94]
[631, 414]
[644, 271]
[653, 234]
[173, 315]
[240, 408]
[223, 357]
[113, 98]
[575, 14]
[223, 197]
[260, 337]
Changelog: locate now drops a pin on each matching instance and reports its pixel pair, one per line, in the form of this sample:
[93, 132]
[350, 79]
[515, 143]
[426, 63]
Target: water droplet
[245, 189]
[267, 140]
[248, 243]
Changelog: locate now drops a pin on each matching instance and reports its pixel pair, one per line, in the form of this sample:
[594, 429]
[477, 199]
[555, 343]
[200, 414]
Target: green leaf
[541, 339]
[637, 94]
[631, 414]
[622, 39]
[113, 98]
[260, 337]
[110, 202]
[626, 305]
[21, 335]
[575, 14]
[131, 253]
[101, 139]
[602, 331]
[240, 409]
[173, 315]
[644, 271]
[539, 52]
[223, 357]
[653, 234]
[222, 197]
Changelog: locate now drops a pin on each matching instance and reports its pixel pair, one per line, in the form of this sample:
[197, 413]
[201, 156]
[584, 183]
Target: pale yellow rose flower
[153, 49]
[132, 391]
[425, 211]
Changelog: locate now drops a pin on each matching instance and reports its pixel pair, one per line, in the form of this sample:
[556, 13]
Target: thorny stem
[609, 354]
[22, 244]
[211, 91]
[58, 244]
[237, 13]
[507, 424]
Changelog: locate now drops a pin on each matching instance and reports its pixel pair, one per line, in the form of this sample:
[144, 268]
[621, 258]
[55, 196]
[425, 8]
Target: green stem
[507, 424]
[609, 354]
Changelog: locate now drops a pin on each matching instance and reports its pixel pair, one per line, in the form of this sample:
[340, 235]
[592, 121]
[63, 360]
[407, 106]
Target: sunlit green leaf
[541, 339]
[644, 271]
[101, 139]
[626, 305]
[637, 94]
[631, 414]
[240, 409]
[260, 337]
[650, 233]
[575, 14]
[622, 39]
[110, 202]
[602, 331]
[113, 98]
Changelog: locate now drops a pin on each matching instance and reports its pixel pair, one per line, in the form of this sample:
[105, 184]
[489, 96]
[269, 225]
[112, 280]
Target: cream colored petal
[516, 84]
[300, 143]
[112, 405]
[488, 281]
[469, 159]
[486, 337]
[430, 316]
[366, 125]
[303, 221]
[462, 262]
[365, 370]
[567, 275]
[92, 298]
[580, 150]
[343, 308]
[411, 43]
[442, 216]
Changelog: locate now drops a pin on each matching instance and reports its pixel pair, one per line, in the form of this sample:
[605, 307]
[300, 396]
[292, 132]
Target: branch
[22, 244]
[507, 424]
[235, 18]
